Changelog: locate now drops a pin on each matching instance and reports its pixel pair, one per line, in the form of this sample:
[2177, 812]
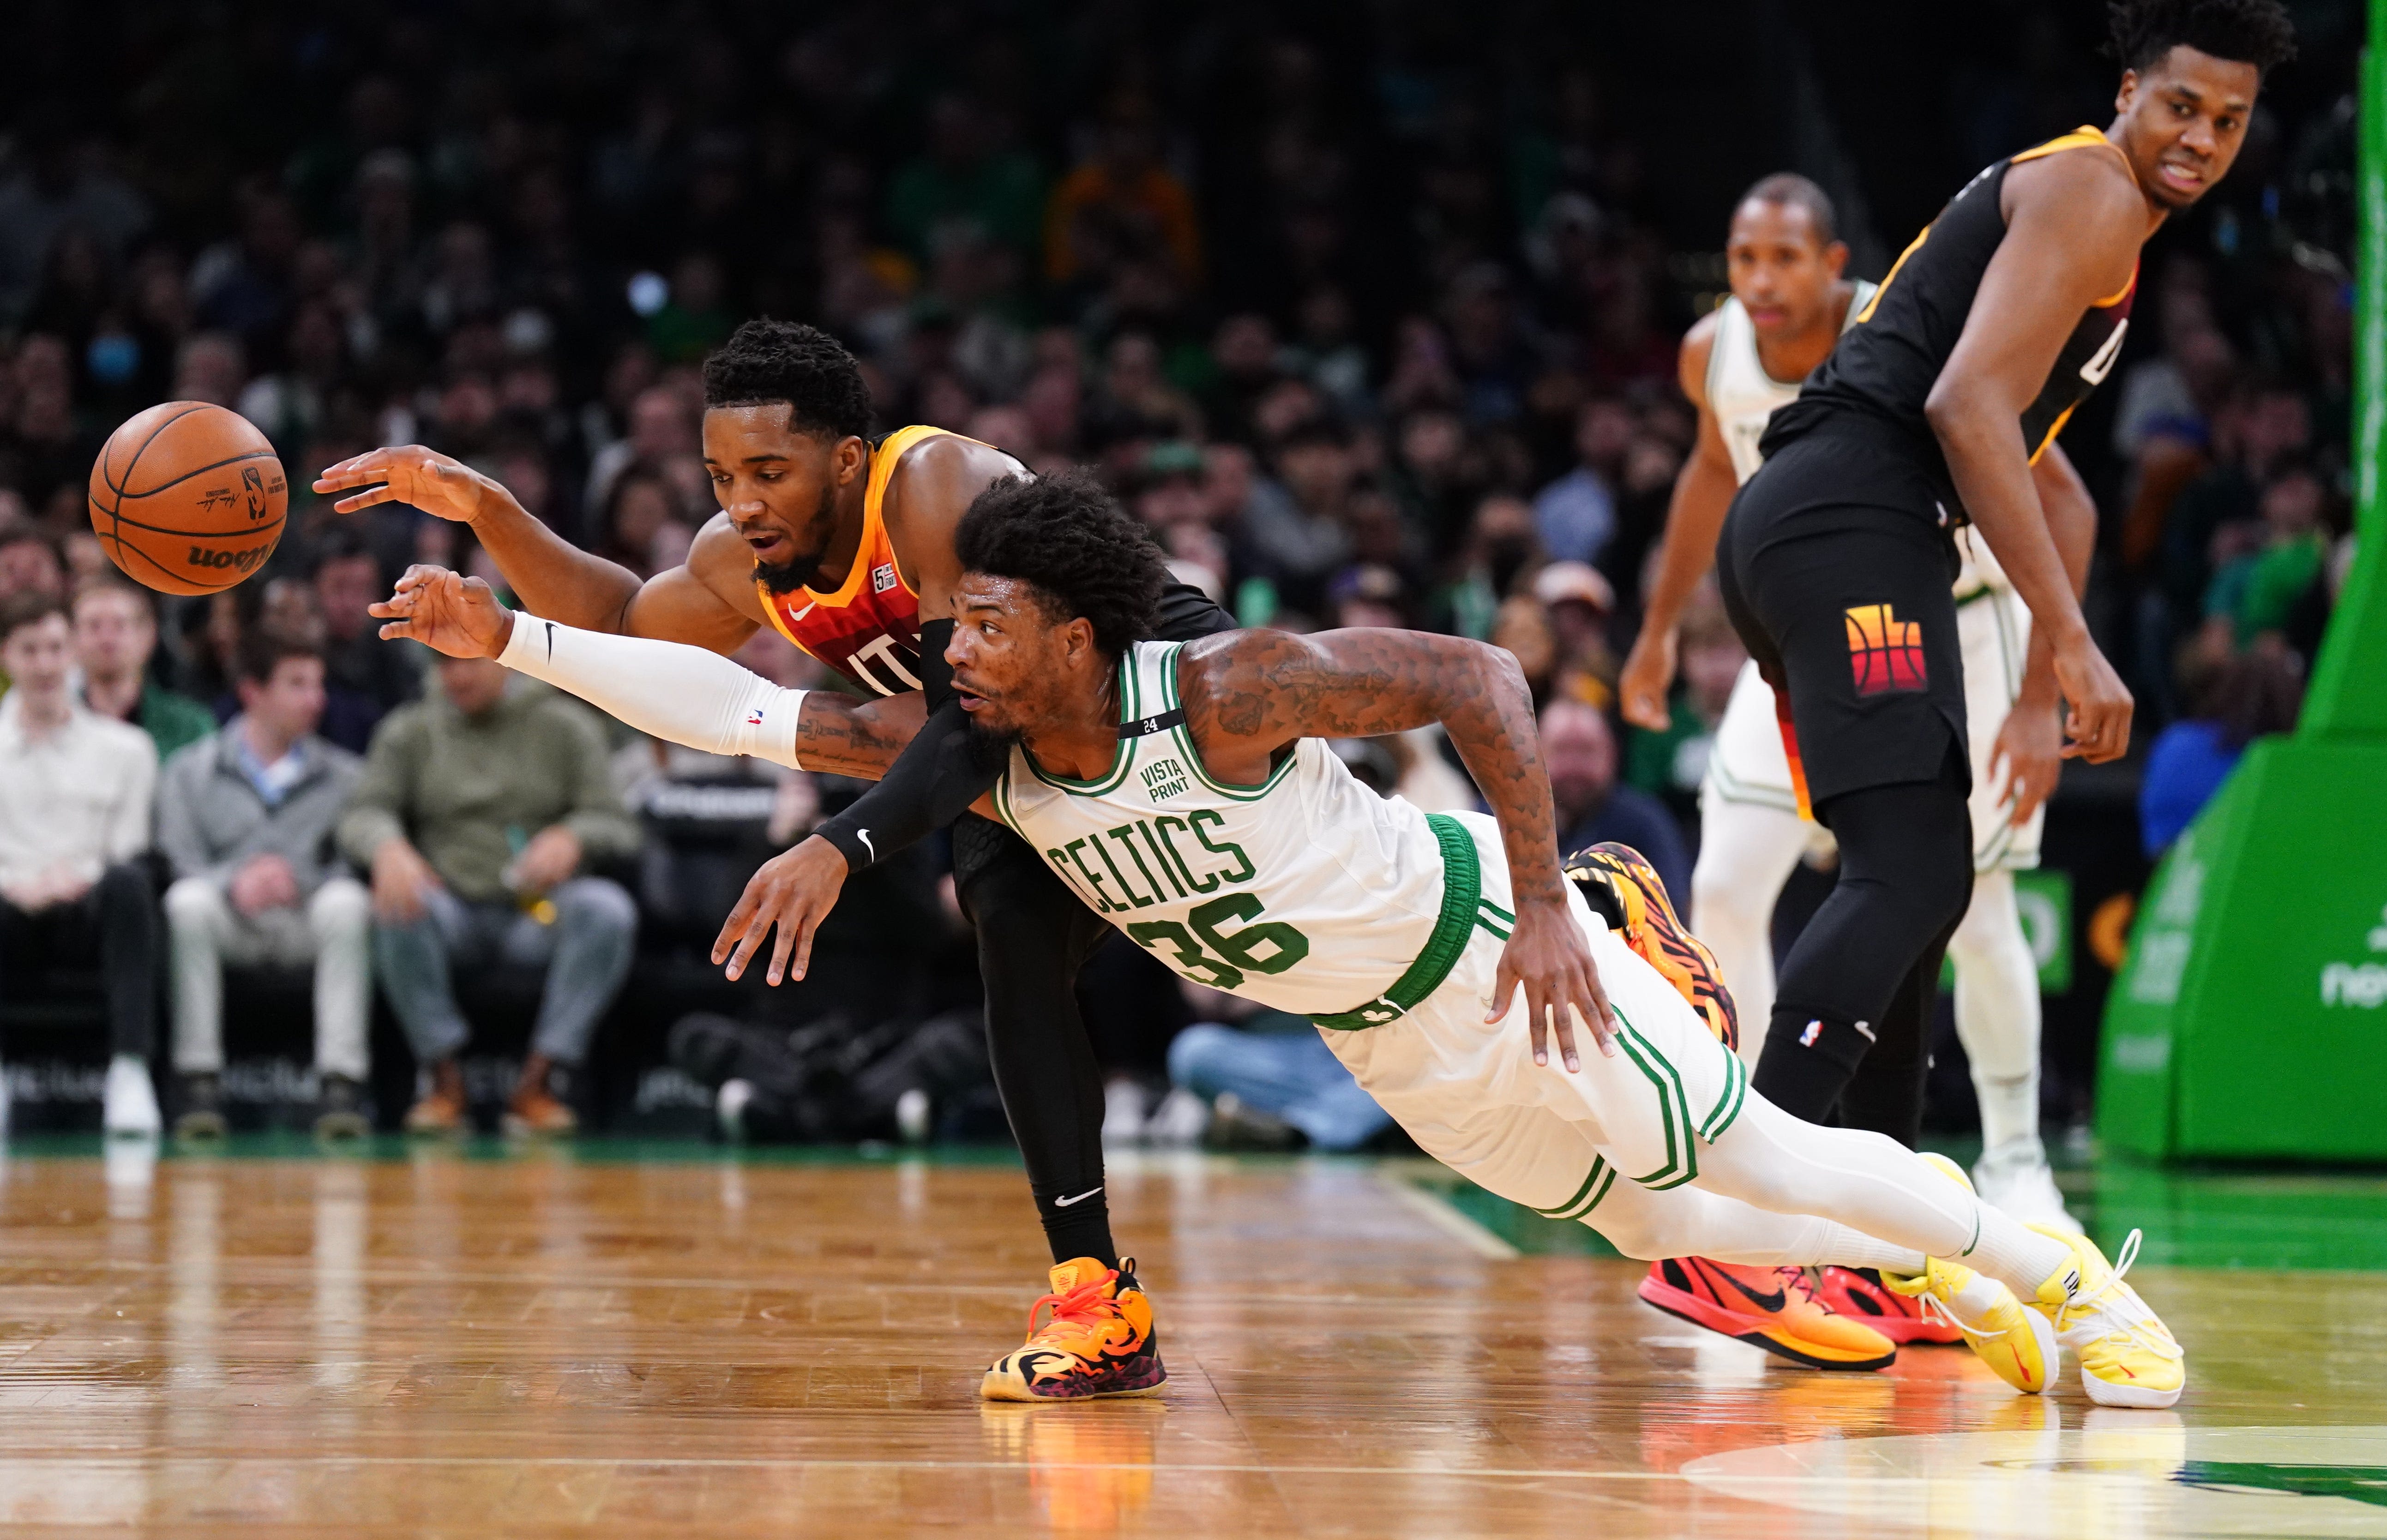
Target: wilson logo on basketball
[1885, 653]
[244, 560]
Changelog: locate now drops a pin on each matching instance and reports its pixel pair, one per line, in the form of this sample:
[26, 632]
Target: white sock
[1997, 1010]
[2015, 1255]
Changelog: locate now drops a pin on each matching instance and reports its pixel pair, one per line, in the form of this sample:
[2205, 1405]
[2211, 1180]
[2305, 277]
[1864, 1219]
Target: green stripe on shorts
[1673, 1109]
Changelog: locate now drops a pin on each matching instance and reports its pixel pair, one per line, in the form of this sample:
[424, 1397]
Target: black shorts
[1836, 565]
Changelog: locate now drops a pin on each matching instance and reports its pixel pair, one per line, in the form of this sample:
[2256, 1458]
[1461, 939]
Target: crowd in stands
[1375, 329]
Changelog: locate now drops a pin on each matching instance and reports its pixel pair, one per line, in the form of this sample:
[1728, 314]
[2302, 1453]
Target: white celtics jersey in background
[1740, 393]
[1308, 892]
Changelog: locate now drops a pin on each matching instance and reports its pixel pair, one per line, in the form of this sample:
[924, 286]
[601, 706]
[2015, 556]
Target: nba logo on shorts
[1885, 653]
[882, 578]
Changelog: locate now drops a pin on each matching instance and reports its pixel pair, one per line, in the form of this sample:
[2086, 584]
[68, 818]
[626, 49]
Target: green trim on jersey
[1673, 1108]
[1729, 1104]
[1130, 707]
[1184, 733]
[1462, 906]
[1595, 1187]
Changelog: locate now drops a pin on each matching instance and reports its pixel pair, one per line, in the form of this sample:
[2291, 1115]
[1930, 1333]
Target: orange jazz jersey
[868, 629]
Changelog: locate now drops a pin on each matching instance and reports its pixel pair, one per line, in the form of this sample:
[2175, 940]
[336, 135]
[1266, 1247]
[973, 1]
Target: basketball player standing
[1837, 556]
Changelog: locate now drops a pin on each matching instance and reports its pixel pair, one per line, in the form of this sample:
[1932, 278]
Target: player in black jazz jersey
[1835, 560]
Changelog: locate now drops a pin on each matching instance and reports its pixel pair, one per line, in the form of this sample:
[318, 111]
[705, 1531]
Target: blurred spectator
[2245, 698]
[1121, 205]
[58, 182]
[30, 561]
[115, 633]
[645, 528]
[480, 814]
[2256, 592]
[663, 427]
[245, 824]
[1575, 515]
[966, 176]
[365, 678]
[1500, 546]
[1269, 1072]
[1580, 750]
[75, 794]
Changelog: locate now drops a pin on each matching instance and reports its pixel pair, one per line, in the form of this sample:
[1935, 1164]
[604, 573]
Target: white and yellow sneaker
[2019, 1343]
[2127, 1356]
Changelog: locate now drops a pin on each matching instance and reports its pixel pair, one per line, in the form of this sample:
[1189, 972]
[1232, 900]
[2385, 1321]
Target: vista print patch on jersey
[1885, 653]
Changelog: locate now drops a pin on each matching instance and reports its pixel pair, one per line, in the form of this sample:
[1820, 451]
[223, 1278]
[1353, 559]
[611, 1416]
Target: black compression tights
[1859, 987]
[1034, 937]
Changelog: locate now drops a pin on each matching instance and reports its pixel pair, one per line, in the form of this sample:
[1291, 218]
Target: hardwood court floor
[552, 1343]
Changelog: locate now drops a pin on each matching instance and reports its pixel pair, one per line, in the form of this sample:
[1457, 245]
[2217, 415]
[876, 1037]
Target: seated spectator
[75, 793]
[29, 559]
[245, 821]
[2244, 699]
[364, 677]
[1272, 1080]
[1580, 750]
[115, 635]
[479, 814]
[2258, 592]
[1670, 766]
[1575, 515]
[643, 527]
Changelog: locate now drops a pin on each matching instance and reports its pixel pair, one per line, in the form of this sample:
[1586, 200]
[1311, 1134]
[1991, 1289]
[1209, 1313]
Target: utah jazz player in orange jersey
[842, 543]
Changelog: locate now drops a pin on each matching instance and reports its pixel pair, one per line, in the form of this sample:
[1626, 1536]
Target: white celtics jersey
[1740, 393]
[1308, 893]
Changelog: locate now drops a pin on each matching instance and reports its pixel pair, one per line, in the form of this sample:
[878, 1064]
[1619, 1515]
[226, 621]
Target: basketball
[188, 498]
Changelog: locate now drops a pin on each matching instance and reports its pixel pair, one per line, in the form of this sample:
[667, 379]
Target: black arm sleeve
[940, 772]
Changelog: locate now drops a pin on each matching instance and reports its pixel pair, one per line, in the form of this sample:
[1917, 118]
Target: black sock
[1083, 1229]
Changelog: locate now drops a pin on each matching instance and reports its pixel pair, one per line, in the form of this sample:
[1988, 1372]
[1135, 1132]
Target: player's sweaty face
[778, 485]
[1010, 660]
[2183, 121]
[1781, 269]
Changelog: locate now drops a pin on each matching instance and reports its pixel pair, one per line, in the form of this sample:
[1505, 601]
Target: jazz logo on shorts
[1885, 653]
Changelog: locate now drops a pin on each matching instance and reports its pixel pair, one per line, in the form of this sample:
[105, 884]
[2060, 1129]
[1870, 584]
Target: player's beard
[785, 577]
[984, 748]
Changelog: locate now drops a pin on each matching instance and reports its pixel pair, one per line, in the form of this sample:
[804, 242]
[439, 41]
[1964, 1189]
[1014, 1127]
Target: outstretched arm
[1248, 694]
[668, 691]
[1694, 519]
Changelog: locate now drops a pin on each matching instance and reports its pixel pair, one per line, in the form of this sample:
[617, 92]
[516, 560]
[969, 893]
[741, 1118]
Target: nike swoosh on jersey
[1064, 1203]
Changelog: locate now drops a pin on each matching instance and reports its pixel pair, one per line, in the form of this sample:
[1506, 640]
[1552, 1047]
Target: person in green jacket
[479, 816]
[115, 633]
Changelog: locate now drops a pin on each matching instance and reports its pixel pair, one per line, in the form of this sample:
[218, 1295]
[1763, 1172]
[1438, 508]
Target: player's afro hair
[1066, 536]
[769, 361]
[2250, 31]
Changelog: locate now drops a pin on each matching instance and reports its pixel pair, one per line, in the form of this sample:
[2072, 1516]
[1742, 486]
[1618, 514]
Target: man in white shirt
[75, 791]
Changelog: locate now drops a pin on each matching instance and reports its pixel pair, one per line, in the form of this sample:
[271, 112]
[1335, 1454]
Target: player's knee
[192, 904]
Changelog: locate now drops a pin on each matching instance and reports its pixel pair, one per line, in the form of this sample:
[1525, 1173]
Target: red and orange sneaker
[1652, 930]
[1775, 1308]
[1858, 1293]
[1098, 1340]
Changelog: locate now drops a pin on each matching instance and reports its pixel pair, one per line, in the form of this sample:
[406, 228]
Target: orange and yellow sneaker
[1650, 926]
[1775, 1308]
[1098, 1340]
[1860, 1294]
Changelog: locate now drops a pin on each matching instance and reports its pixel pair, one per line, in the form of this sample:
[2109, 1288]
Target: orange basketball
[188, 498]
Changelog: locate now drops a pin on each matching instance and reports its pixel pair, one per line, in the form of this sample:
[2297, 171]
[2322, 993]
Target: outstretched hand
[446, 611]
[1548, 954]
[793, 890]
[439, 485]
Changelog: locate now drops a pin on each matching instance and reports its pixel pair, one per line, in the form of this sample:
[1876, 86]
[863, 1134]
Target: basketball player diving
[842, 544]
[1183, 792]
[1741, 362]
[1938, 409]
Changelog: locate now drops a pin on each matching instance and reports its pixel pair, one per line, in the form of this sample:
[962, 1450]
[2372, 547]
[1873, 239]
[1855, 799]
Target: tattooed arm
[1248, 694]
